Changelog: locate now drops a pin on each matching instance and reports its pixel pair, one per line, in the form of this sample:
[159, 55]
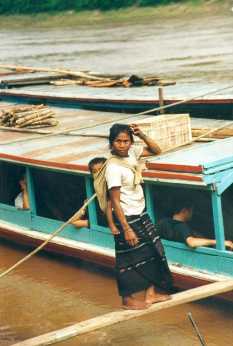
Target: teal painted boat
[55, 164]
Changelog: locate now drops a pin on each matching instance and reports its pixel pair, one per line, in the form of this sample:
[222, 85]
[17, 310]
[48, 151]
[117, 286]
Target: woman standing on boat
[140, 259]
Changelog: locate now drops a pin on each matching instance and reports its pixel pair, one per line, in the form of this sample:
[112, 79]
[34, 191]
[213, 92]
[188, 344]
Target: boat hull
[209, 108]
[183, 280]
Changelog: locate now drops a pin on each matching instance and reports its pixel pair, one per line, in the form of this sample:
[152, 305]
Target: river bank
[188, 10]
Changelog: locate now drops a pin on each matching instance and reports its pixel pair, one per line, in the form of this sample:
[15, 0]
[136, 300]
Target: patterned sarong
[143, 265]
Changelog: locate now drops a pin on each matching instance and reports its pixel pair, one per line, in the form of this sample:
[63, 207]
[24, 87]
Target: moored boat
[55, 164]
[218, 108]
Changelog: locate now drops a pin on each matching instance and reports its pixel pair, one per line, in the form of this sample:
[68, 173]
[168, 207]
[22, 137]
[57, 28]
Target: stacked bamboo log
[33, 116]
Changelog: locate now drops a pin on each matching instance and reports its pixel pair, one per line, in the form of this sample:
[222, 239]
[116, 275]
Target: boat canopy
[82, 135]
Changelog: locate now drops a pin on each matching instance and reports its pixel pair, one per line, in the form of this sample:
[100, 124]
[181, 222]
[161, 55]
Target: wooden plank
[42, 69]
[23, 130]
[222, 133]
[124, 315]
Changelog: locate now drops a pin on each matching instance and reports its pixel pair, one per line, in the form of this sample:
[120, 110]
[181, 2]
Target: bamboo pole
[200, 337]
[61, 71]
[111, 318]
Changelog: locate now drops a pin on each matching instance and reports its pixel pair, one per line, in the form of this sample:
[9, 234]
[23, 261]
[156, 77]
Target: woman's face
[121, 144]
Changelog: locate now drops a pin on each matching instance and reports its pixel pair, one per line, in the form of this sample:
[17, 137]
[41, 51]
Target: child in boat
[94, 166]
[176, 228]
[22, 199]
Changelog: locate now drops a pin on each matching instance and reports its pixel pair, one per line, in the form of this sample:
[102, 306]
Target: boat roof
[82, 135]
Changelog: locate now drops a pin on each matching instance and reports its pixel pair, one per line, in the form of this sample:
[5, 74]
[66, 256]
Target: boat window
[166, 197]
[11, 174]
[58, 195]
[227, 209]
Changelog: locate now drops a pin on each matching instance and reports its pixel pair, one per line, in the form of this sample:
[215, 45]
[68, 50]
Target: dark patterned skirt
[143, 265]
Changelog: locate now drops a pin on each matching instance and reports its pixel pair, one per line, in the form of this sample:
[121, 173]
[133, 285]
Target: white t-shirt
[19, 201]
[131, 196]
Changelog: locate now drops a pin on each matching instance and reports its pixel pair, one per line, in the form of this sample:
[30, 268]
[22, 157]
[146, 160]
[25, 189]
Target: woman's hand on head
[136, 130]
[131, 237]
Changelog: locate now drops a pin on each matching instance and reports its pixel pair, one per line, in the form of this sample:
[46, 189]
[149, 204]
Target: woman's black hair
[116, 129]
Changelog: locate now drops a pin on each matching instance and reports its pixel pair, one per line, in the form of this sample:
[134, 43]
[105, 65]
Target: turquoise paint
[101, 229]
[211, 263]
[91, 236]
[150, 204]
[222, 166]
[218, 221]
[20, 217]
[101, 239]
[49, 226]
[31, 190]
[92, 206]
[225, 182]
[205, 250]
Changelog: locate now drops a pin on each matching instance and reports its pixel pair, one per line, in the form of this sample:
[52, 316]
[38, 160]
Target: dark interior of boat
[9, 182]
[58, 195]
[166, 197]
[227, 207]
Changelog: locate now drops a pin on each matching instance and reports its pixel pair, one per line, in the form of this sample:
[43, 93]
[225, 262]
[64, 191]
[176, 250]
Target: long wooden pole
[124, 315]
[79, 74]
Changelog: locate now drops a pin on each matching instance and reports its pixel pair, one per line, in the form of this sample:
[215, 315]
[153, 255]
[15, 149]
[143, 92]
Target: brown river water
[52, 292]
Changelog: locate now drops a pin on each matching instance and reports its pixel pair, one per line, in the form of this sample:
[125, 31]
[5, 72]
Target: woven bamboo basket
[168, 130]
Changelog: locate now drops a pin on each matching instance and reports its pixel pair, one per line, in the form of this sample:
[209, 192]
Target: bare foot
[153, 297]
[131, 303]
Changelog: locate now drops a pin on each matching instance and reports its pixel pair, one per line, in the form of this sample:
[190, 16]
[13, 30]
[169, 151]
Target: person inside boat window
[22, 199]
[94, 166]
[176, 227]
[82, 221]
[140, 260]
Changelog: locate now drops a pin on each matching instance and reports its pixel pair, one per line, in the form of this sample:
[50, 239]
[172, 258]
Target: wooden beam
[161, 99]
[79, 74]
[222, 133]
[124, 315]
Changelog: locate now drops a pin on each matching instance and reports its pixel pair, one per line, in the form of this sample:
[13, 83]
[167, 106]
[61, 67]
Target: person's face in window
[188, 212]
[22, 183]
